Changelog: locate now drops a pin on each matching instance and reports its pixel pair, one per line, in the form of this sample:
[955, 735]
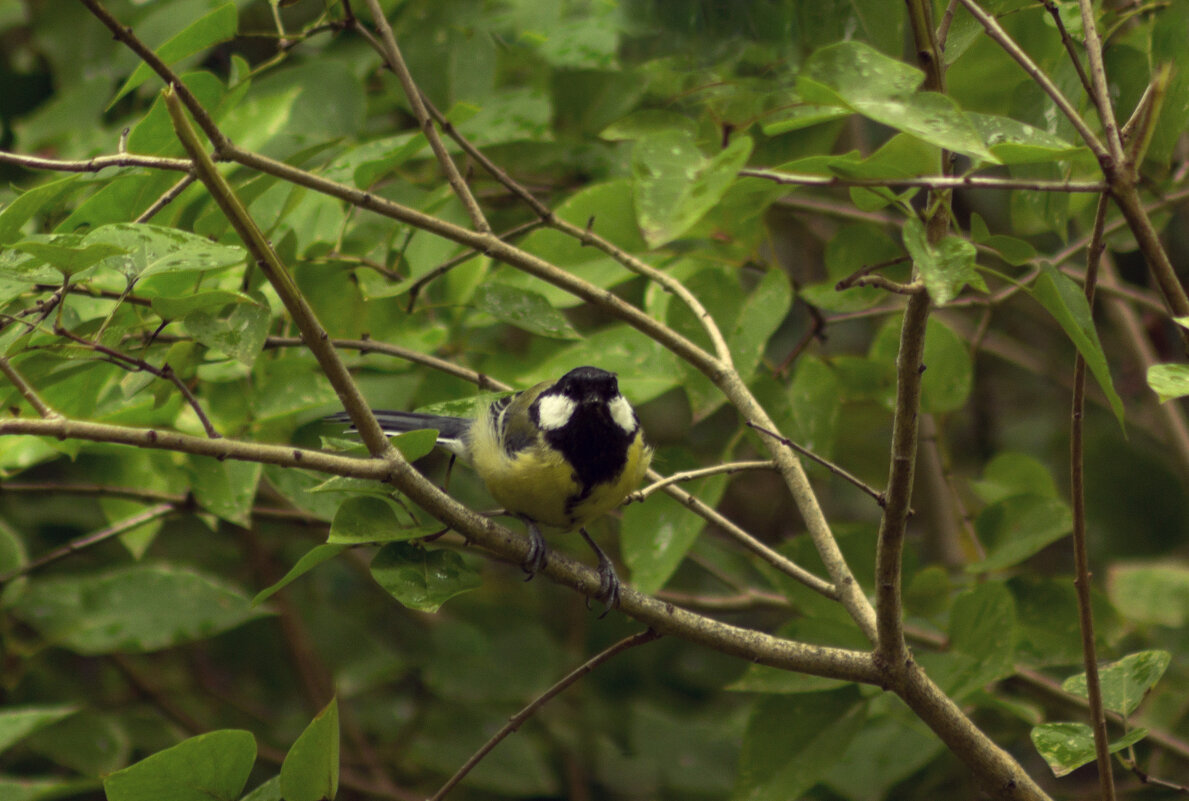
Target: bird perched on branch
[557, 456]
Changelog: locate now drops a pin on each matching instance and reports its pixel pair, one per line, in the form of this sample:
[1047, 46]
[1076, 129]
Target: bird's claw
[534, 562]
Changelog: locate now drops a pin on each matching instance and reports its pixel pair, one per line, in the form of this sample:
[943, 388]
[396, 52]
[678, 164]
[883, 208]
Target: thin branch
[396, 63]
[895, 287]
[179, 502]
[312, 332]
[94, 164]
[891, 649]
[74, 546]
[517, 720]
[138, 365]
[167, 197]
[1009, 45]
[366, 346]
[727, 468]
[1070, 45]
[26, 389]
[1100, 93]
[664, 617]
[841, 472]
[589, 238]
[462, 258]
[1080, 554]
[925, 182]
[734, 532]
[124, 34]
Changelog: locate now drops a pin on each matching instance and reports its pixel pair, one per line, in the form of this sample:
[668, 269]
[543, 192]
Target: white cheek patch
[554, 411]
[622, 414]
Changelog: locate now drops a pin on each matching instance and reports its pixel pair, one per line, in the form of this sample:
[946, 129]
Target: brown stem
[1080, 554]
[517, 720]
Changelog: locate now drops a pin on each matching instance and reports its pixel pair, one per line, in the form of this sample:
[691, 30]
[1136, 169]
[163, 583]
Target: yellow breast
[537, 483]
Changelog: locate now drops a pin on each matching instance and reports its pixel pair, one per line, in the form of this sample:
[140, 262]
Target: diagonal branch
[1013, 49]
[396, 62]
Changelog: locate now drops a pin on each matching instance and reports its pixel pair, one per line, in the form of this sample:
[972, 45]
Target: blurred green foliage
[140, 667]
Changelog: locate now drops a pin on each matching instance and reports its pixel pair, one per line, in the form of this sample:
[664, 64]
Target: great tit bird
[557, 455]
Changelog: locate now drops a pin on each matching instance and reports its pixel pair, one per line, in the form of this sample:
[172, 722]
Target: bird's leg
[609, 583]
[537, 551]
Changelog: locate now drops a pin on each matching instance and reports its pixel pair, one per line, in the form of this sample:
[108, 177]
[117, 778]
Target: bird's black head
[584, 416]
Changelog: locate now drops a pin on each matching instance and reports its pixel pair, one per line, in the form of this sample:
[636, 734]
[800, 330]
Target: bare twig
[94, 538]
[517, 720]
[26, 389]
[136, 365]
[926, 182]
[1100, 94]
[166, 198]
[1080, 554]
[1009, 45]
[841, 472]
[891, 649]
[727, 468]
[94, 164]
[396, 63]
[312, 332]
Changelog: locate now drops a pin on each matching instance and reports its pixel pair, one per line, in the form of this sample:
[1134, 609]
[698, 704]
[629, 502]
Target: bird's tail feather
[451, 430]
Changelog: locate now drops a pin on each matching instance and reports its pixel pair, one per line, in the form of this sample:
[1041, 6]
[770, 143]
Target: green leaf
[225, 487]
[853, 248]
[887, 751]
[236, 329]
[39, 199]
[656, 535]
[1169, 381]
[1068, 746]
[949, 371]
[1013, 142]
[855, 75]
[1124, 683]
[131, 609]
[312, 558]
[762, 313]
[1009, 473]
[1065, 301]
[792, 741]
[982, 628]
[946, 266]
[675, 185]
[1047, 620]
[266, 791]
[172, 308]
[90, 743]
[17, 722]
[367, 520]
[155, 250]
[213, 28]
[209, 767]
[1012, 250]
[1154, 594]
[647, 122]
[422, 579]
[66, 252]
[310, 771]
[525, 309]
[1018, 527]
[802, 116]
[816, 401]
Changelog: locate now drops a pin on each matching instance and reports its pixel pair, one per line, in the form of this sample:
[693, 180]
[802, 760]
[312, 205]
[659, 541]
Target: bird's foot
[537, 551]
[609, 583]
